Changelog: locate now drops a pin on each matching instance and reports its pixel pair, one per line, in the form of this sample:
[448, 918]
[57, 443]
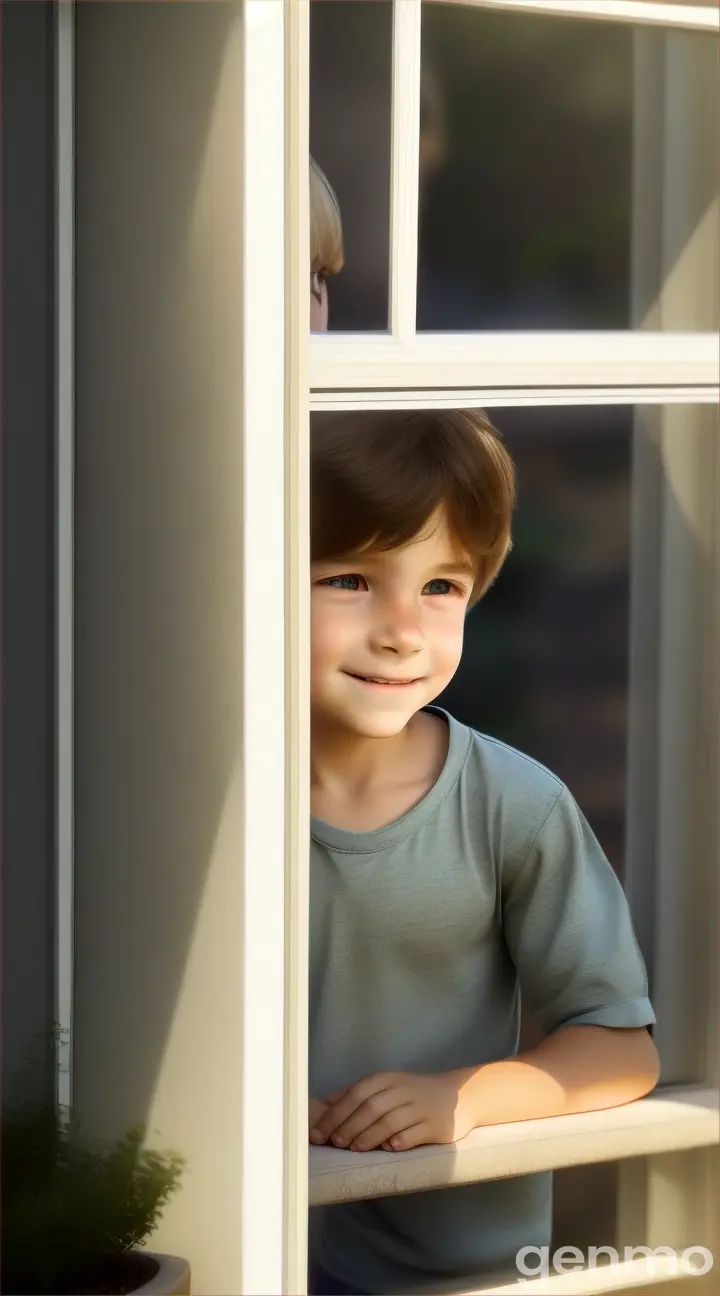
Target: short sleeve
[568, 928]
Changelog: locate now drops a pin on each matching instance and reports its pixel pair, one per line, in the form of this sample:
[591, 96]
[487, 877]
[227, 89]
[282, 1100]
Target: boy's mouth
[380, 682]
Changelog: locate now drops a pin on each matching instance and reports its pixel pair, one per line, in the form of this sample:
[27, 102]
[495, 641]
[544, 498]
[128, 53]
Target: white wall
[158, 951]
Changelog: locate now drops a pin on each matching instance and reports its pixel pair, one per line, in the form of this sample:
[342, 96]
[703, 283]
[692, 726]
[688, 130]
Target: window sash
[685, 14]
[365, 362]
[403, 359]
[496, 398]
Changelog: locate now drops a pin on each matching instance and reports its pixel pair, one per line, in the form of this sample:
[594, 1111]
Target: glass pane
[350, 101]
[545, 664]
[568, 174]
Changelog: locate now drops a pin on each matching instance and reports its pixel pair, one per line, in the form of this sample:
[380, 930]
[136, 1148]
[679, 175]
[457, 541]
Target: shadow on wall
[27, 509]
[158, 633]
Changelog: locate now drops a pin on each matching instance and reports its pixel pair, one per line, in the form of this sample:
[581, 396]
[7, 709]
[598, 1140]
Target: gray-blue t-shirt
[423, 935]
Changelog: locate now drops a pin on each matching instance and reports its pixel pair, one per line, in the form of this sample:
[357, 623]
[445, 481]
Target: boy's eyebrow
[459, 568]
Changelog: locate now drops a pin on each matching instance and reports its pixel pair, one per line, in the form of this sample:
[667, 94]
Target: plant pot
[171, 1279]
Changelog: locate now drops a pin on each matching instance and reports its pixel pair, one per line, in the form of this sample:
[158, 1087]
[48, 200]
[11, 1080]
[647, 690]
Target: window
[564, 168]
[592, 339]
[191, 708]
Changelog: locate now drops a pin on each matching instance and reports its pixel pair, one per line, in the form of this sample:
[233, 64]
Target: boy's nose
[398, 630]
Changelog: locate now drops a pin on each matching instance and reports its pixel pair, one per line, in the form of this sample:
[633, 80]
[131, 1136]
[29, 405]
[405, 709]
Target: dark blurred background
[525, 165]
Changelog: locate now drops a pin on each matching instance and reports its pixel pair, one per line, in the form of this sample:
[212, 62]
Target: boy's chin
[373, 723]
[380, 725]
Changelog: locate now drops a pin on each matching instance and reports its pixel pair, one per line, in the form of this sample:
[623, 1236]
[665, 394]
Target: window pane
[545, 664]
[350, 80]
[567, 174]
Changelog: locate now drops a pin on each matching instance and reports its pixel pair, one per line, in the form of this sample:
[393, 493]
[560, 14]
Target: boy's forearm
[582, 1068]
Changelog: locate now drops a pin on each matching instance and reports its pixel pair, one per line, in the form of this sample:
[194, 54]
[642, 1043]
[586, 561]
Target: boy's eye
[438, 586]
[348, 582]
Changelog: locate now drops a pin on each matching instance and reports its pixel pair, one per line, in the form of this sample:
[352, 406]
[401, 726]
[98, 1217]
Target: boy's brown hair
[377, 478]
[326, 236]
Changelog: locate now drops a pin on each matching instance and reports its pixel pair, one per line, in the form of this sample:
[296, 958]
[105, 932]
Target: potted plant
[76, 1212]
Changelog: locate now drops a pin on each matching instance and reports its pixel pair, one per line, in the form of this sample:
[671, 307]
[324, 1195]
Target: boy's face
[387, 631]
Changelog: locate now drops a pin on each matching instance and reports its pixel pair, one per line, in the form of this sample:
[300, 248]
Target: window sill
[668, 1120]
[622, 1276]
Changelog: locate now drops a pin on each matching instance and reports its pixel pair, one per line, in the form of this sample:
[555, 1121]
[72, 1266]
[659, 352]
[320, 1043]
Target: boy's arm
[579, 1069]
[568, 929]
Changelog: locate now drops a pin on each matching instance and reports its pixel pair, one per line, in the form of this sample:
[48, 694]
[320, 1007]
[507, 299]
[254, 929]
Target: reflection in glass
[545, 665]
[576, 171]
[350, 99]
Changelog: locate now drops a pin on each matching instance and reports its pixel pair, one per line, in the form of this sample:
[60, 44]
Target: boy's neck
[365, 783]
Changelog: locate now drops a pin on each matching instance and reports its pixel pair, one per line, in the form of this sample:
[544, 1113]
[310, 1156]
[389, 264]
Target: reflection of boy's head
[377, 480]
[326, 242]
[410, 524]
[433, 127]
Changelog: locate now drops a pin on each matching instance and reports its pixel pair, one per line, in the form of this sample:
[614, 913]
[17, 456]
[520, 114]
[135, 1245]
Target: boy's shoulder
[510, 789]
[504, 770]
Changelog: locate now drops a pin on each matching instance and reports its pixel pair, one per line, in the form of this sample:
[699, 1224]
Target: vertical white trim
[275, 306]
[64, 433]
[297, 643]
[646, 510]
[686, 858]
[404, 182]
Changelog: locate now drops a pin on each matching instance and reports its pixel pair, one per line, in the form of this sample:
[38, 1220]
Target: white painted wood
[687, 855]
[266, 316]
[618, 1277]
[696, 17]
[297, 646]
[374, 362]
[510, 396]
[404, 176]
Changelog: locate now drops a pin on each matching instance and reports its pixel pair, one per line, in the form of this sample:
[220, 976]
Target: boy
[448, 870]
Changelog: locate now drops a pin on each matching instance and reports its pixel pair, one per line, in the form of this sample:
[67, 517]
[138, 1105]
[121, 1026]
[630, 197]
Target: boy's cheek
[448, 651]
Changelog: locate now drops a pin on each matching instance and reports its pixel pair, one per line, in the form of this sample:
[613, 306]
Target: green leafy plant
[76, 1209]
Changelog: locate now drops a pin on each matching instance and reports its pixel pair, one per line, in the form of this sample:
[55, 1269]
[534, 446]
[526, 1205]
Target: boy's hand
[396, 1110]
[316, 1110]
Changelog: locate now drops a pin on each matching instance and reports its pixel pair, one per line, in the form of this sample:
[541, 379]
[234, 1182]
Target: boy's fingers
[412, 1136]
[381, 1110]
[384, 1129]
[332, 1119]
[354, 1113]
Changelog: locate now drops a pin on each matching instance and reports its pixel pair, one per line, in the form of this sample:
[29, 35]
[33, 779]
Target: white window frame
[681, 14]
[286, 376]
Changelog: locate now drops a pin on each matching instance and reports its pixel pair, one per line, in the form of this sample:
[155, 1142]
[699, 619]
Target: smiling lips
[384, 683]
